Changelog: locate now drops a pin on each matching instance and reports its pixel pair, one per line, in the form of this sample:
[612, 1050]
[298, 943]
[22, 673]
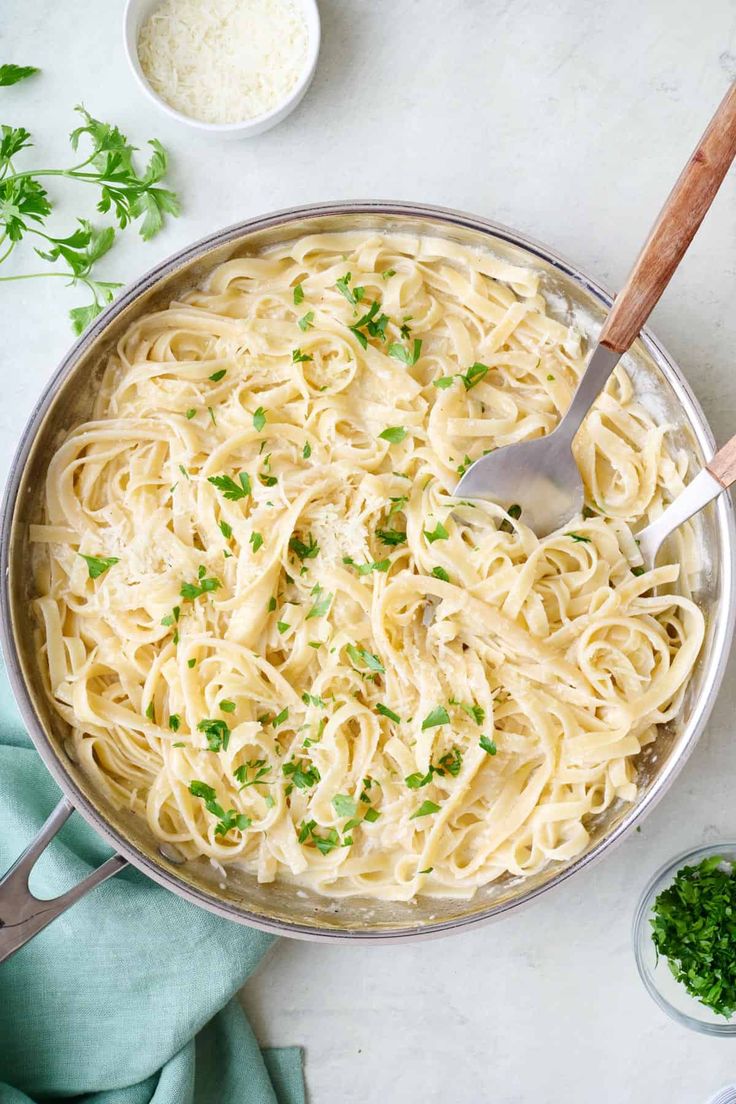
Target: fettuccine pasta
[278, 637]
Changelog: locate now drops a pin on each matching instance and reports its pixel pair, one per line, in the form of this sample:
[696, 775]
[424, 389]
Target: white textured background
[570, 121]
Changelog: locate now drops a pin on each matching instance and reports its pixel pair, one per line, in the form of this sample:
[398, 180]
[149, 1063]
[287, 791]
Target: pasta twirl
[289, 646]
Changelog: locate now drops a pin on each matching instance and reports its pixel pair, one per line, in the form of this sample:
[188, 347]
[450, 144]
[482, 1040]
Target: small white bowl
[137, 11]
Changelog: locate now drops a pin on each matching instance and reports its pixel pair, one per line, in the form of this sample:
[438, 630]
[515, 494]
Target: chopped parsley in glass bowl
[685, 938]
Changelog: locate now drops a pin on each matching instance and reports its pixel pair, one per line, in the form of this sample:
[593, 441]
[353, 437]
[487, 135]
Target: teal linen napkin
[129, 997]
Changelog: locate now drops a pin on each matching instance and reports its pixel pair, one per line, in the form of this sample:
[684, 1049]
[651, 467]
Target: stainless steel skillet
[280, 908]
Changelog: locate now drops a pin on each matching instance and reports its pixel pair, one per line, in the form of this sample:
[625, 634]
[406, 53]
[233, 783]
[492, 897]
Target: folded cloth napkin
[129, 997]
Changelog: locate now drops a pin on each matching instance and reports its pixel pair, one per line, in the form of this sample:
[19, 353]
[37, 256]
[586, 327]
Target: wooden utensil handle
[723, 464]
[675, 228]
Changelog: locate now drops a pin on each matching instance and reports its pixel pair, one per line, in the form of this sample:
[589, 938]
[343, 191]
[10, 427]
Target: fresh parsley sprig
[133, 195]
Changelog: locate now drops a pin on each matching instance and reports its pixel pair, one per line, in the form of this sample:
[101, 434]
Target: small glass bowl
[671, 995]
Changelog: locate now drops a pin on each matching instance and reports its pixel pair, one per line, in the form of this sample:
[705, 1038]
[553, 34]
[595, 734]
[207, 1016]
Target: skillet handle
[21, 914]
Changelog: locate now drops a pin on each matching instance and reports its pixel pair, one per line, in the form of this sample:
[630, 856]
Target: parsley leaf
[174, 722]
[579, 538]
[230, 488]
[353, 295]
[488, 745]
[344, 806]
[217, 733]
[305, 322]
[386, 712]
[298, 357]
[11, 74]
[402, 353]
[394, 434]
[306, 451]
[320, 607]
[227, 706]
[256, 540]
[438, 716]
[217, 376]
[98, 565]
[443, 382]
[226, 820]
[304, 551]
[225, 529]
[298, 294]
[301, 775]
[391, 536]
[425, 809]
[473, 375]
[191, 591]
[438, 533]
[361, 657]
[259, 419]
[440, 573]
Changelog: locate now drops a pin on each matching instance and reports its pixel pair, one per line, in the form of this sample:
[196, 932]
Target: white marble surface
[570, 121]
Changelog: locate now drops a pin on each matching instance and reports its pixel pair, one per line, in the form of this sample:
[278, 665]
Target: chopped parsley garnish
[391, 536]
[579, 538]
[416, 780]
[323, 843]
[344, 806]
[550, 377]
[440, 573]
[474, 375]
[217, 733]
[425, 809]
[402, 353]
[298, 357]
[227, 706]
[438, 533]
[443, 382]
[367, 568]
[283, 626]
[260, 769]
[174, 722]
[476, 712]
[386, 712]
[301, 775]
[259, 419]
[172, 618]
[313, 699]
[226, 530]
[191, 591]
[693, 928]
[388, 273]
[361, 657]
[306, 451]
[438, 716]
[304, 551]
[320, 607]
[637, 571]
[217, 376]
[191, 663]
[513, 512]
[488, 745]
[353, 295]
[190, 413]
[98, 565]
[230, 488]
[298, 295]
[256, 540]
[305, 322]
[227, 820]
[452, 761]
[394, 434]
[281, 717]
[149, 712]
[271, 604]
[371, 815]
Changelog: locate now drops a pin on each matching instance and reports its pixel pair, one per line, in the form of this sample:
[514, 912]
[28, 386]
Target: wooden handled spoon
[718, 474]
[541, 475]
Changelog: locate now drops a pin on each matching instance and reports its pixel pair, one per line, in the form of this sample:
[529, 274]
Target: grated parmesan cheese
[223, 61]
